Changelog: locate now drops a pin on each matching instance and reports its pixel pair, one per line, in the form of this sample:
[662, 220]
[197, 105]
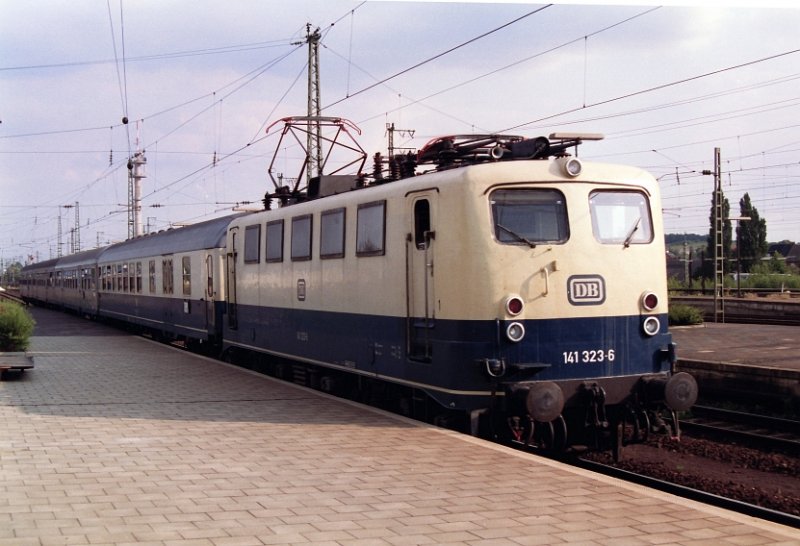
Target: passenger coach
[170, 284]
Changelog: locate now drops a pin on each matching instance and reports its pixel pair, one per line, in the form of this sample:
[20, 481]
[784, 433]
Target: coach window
[151, 275]
[275, 241]
[125, 281]
[621, 217]
[138, 277]
[529, 216]
[371, 229]
[118, 283]
[210, 276]
[301, 238]
[186, 275]
[331, 237]
[252, 244]
[167, 280]
[132, 276]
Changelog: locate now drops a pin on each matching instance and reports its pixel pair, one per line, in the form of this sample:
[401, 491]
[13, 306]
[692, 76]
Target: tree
[708, 264]
[752, 236]
[11, 274]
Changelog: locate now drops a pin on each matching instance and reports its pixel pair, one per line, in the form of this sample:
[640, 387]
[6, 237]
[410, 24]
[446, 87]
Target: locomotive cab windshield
[529, 216]
[621, 217]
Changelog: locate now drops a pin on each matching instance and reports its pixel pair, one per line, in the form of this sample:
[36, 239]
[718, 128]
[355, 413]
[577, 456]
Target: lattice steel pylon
[135, 174]
[719, 249]
[313, 145]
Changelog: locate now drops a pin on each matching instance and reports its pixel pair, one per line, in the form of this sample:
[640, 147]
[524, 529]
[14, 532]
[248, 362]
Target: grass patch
[684, 315]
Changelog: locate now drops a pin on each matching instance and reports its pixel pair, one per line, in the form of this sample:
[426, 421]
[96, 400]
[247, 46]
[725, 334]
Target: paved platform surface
[113, 439]
[746, 344]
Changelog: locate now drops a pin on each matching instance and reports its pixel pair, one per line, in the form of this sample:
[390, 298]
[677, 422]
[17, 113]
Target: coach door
[420, 246]
[233, 319]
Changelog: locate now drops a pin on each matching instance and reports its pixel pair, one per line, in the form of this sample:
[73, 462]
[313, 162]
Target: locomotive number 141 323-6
[589, 356]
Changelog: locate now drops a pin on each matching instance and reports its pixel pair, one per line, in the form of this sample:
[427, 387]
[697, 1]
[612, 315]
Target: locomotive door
[421, 314]
[233, 319]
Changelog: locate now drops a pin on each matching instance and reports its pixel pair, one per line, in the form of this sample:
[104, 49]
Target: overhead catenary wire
[656, 88]
[438, 56]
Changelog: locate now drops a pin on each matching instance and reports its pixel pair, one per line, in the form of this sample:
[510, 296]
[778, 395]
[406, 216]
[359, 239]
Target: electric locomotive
[512, 290]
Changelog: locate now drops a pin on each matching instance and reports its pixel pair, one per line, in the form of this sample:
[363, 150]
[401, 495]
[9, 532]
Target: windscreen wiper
[517, 235]
[633, 230]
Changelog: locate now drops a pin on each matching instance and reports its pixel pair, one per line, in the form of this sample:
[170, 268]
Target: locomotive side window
[371, 229]
[331, 237]
[252, 244]
[621, 217]
[275, 241]
[301, 238]
[186, 275]
[529, 216]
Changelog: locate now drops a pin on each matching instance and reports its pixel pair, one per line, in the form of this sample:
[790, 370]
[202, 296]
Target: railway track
[724, 459]
[690, 493]
[762, 310]
[5, 295]
[755, 430]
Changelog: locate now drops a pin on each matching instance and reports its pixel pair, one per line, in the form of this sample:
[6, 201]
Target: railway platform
[743, 344]
[114, 439]
[756, 359]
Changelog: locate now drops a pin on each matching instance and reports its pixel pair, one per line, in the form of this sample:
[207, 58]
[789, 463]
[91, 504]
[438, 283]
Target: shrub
[16, 327]
[681, 315]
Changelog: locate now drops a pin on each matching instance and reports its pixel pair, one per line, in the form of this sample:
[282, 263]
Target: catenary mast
[313, 146]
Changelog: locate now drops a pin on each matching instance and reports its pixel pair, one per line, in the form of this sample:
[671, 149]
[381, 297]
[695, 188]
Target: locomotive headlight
[573, 167]
[651, 326]
[649, 301]
[514, 305]
[515, 331]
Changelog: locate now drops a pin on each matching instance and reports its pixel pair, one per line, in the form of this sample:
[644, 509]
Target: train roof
[201, 236]
[87, 257]
[440, 154]
[43, 265]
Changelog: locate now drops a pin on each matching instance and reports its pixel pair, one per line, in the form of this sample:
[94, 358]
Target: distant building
[790, 251]
[677, 265]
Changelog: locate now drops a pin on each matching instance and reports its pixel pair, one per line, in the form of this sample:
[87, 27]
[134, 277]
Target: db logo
[586, 290]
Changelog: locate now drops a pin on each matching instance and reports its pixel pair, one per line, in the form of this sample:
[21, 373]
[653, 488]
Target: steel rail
[752, 510]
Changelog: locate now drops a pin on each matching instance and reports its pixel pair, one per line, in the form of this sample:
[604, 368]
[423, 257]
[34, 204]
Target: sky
[201, 81]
